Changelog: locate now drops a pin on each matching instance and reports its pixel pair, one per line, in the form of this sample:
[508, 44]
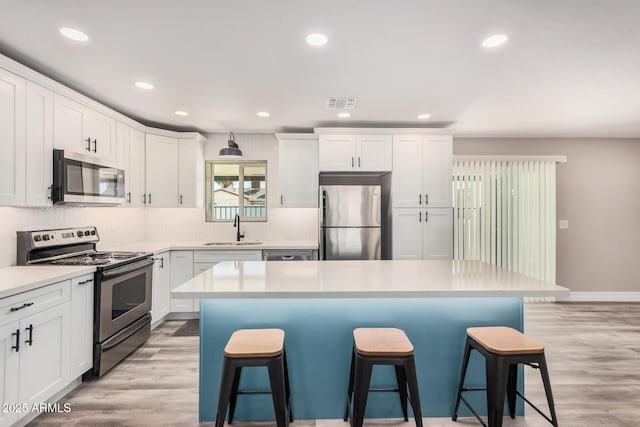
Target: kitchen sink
[232, 243]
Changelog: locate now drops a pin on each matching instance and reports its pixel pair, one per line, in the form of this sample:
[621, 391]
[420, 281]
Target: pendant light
[231, 151]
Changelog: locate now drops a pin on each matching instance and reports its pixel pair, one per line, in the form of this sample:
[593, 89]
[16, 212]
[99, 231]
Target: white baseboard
[601, 297]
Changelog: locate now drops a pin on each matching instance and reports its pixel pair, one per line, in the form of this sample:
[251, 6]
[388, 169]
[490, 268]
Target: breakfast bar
[319, 303]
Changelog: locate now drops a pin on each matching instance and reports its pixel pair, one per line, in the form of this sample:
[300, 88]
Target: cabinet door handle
[30, 340]
[181, 199]
[25, 305]
[281, 200]
[358, 161]
[129, 197]
[84, 282]
[17, 335]
[50, 191]
[352, 162]
[88, 144]
[426, 217]
[420, 199]
[419, 216]
[426, 199]
[161, 259]
[149, 198]
[95, 146]
[144, 199]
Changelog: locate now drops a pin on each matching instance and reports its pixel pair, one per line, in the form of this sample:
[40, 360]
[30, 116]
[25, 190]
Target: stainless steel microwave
[86, 180]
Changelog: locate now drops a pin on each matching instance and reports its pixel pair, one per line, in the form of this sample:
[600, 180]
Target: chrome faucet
[236, 223]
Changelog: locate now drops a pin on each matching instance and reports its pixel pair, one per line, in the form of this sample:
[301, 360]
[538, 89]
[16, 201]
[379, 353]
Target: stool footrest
[254, 392]
[396, 390]
[474, 389]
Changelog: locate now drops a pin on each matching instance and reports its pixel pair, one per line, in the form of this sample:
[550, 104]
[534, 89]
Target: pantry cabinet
[422, 233]
[161, 168]
[39, 145]
[422, 171]
[355, 153]
[83, 130]
[12, 139]
[298, 173]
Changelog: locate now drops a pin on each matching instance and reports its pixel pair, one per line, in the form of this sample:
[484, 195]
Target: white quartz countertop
[162, 246]
[14, 280]
[362, 279]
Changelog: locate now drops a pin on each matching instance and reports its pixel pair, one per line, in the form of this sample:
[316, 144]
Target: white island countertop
[362, 279]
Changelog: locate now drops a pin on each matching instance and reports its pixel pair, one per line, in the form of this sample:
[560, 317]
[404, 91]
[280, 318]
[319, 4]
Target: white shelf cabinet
[355, 153]
[12, 139]
[161, 168]
[80, 129]
[39, 145]
[190, 173]
[161, 293]
[81, 325]
[422, 233]
[422, 168]
[181, 271]
[298, 173]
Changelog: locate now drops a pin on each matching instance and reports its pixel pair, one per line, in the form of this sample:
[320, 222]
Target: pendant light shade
[231, 151]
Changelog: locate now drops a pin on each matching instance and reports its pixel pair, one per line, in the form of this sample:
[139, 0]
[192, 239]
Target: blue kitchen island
[319, 303]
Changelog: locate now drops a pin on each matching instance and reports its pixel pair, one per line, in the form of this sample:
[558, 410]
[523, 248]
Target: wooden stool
[503, 349]
[255, 347]
[381, 346]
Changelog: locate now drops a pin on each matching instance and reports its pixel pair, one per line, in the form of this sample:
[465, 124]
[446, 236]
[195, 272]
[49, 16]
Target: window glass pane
[225, 188]
[255, 192]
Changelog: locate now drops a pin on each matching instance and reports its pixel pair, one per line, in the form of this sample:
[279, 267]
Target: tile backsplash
[118, 226]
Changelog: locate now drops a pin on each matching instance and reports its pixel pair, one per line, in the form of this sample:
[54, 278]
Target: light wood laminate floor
[593, 352]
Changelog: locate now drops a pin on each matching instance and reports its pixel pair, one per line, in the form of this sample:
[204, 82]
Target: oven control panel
[67, 236]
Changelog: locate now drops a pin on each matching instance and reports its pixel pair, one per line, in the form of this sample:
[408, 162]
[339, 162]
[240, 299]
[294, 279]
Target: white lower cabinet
[161, 290]
[422, 233]
[181, 271]
[81, 325]
[35, 348]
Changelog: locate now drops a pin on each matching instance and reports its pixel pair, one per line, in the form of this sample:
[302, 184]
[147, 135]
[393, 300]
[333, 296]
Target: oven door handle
[127, 268]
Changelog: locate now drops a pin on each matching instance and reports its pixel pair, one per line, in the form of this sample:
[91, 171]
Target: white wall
[116, 226]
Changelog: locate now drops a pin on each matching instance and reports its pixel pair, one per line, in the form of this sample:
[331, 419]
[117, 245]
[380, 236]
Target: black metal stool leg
[234, 393]
[276, 377]
[350, 386]
[402, 388]
[226, 383]
[512, 384]
[547, 389]
[463, 373]
[361, 390]
[287, 388]
[412, 382]
[496, 372]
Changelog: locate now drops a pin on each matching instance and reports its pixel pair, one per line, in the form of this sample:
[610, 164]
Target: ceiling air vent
[341, 103]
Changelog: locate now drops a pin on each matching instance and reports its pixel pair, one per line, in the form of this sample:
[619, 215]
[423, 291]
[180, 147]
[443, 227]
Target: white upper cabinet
[190, 173]
[135, 175]
[12, 139]
[161, 167]
[39, 148]
[298, 173]
[422, 171]
[355, 153]
[83, 130]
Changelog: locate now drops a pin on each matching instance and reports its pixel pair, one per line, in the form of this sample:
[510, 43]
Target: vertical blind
[505, 214]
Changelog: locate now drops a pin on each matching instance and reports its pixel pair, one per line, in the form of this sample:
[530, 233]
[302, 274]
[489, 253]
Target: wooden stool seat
[382, 342]
[503, 340]
[255, 343]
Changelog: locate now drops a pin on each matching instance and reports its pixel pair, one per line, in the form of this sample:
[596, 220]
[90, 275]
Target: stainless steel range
[122, 292]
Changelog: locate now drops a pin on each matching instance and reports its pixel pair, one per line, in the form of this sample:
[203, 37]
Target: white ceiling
[570, 68]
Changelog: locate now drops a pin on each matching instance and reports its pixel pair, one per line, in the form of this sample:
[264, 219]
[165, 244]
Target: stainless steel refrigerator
[351, 222]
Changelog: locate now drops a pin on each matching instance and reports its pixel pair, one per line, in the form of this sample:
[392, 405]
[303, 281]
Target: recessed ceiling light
[317, 39]
[344, 115]
[424, 116]
[74, 34]
[263, 114]
[144, 85]
[181, 113]
[495, 40]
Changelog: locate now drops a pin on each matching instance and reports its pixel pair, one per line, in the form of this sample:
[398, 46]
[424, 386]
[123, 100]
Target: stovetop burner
[98, 258]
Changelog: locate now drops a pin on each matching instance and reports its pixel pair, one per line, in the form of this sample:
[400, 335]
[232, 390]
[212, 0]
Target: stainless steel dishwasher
[289, 254]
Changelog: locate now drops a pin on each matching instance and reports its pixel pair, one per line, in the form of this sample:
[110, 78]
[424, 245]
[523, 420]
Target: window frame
[210, 196]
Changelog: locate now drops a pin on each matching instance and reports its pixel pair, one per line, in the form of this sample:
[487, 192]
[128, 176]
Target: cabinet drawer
[30, 302]
[228, 255]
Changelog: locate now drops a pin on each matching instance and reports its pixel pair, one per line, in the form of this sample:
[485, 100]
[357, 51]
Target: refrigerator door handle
[323, 238]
